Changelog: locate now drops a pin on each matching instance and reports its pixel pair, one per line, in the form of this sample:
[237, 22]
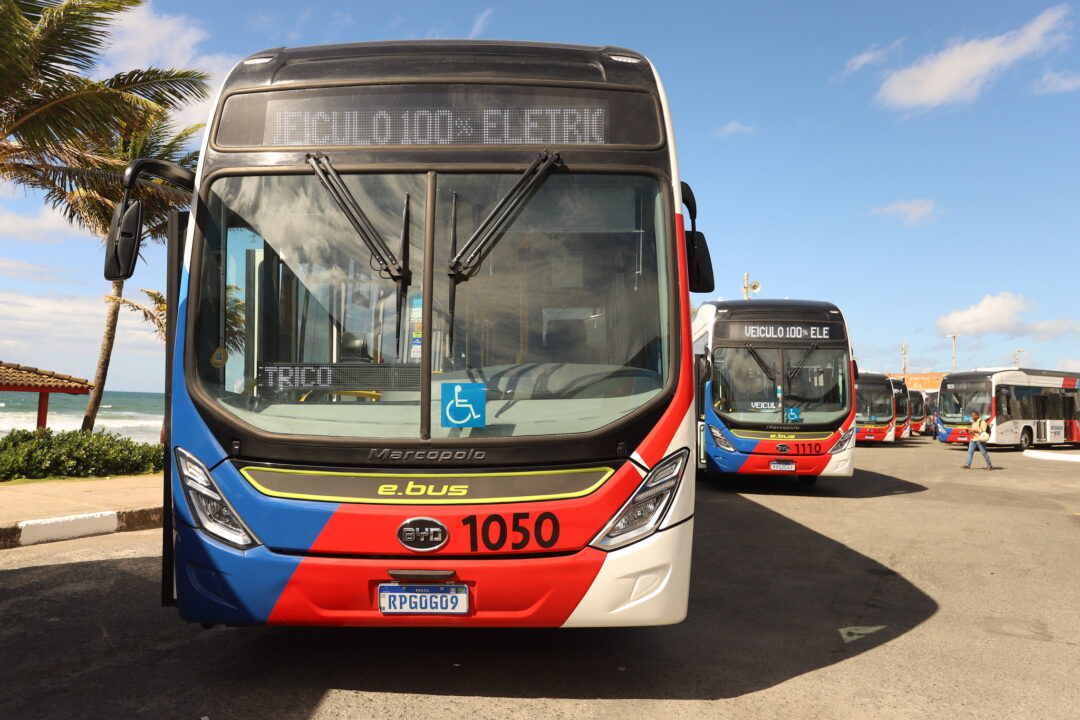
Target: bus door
[1040, 418]
[1072, 427]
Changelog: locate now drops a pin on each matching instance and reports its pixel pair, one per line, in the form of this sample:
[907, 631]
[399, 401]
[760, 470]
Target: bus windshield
[873, 403]
[562, 329]
[918, 408]
[958, 400]
[902, 404]
[764, 389]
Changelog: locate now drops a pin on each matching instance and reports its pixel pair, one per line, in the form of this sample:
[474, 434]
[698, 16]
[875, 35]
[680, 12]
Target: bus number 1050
[494, 531]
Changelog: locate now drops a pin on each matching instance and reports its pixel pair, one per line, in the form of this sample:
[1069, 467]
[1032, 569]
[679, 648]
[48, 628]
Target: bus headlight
[844, 442]
[720, 439]
[209, 504]
[642, 513]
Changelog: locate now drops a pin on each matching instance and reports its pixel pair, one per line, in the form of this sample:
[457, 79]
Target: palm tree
[48, 105]
[71, 136]
[152, 136]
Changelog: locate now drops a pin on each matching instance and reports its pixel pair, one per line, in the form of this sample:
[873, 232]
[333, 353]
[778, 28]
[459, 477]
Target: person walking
[979, 430]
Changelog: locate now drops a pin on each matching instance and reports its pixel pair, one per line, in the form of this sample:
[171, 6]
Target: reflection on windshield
[564, 325]
[873, 403]
[743, 392]
[902, 406]
[956, 404]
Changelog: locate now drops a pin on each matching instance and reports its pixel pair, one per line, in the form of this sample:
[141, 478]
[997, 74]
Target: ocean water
[131, 414]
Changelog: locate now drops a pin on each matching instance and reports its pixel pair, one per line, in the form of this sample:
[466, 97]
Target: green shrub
[44, 453]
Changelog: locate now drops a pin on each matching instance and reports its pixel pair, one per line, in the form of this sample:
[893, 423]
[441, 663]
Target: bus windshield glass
[874, 403]
[902, 404]
[918, 410]
[788, 385]
[562, 329]
[959, 399]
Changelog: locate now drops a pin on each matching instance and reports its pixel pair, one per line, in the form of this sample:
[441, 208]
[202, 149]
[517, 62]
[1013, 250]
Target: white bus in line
[1025, 407]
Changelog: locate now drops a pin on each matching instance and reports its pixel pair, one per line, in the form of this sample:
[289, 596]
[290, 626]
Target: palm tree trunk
[107, 340]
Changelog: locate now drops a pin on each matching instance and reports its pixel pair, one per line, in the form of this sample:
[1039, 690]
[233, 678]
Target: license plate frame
[782, 466]
[423, 598]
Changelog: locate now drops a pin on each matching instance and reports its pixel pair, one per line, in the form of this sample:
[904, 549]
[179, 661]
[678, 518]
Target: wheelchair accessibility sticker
[464, 404]
[793, 414]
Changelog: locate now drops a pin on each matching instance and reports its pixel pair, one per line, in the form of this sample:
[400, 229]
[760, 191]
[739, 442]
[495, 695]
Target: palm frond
[69, 36]
[166, 88]
[152, 316]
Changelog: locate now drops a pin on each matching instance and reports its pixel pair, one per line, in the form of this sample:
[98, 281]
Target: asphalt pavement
[915, 589]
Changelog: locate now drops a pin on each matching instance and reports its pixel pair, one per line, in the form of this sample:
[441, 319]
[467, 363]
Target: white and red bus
[875, 408]
[430, 357]
[902, 423]
[1024, 407]
[918, 412]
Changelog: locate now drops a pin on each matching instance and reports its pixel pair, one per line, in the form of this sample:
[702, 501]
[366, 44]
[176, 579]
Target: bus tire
[1026, 440]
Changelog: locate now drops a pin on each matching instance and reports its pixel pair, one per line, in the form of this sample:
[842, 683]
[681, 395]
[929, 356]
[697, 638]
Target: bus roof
[776, 309]
[482, 60]
[869, 378]
[973, 375]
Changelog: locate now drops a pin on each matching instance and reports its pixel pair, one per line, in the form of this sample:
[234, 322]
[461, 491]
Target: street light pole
[1017, 356]
[953, 336]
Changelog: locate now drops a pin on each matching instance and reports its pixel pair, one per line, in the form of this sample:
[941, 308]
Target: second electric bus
[779, 392]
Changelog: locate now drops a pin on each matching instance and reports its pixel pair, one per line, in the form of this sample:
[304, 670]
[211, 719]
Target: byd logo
[422, 534]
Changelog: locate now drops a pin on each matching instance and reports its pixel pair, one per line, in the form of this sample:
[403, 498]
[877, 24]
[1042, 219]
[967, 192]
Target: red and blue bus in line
[875, 408]
[1024, 407]
[778, 398]
[429, 341]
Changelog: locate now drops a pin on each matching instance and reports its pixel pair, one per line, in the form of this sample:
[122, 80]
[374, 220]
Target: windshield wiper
[344, 199]
[799, 365]
[761, 363]
[466, 261]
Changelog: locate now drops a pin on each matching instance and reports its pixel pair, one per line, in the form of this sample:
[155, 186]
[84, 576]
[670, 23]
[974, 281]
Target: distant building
[921, 381]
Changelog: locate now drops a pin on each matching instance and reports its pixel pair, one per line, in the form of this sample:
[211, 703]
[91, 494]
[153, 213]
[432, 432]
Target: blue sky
[915, 163]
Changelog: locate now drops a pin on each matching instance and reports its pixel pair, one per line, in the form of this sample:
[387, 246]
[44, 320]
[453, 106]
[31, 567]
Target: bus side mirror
[855, 364]
[699, 263]
[122, 245]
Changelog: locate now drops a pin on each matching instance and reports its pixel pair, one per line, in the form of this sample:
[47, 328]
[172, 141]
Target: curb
[69, 527]
[1050, 455]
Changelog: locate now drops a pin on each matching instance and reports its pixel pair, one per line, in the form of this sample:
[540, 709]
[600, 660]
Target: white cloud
[1058, 82]
[868, 57]
[962, 70]
[143, 38]
[46, 226]
[1001, 315]
[29, 271]
[912, 212]
[481, 23]
[1068, 365]
[63, 332]
[734, 128]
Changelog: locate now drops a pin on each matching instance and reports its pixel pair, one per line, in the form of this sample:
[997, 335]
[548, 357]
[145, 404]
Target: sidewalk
[64, 509]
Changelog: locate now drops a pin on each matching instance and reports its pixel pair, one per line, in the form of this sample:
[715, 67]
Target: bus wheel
[1025, 439]
[808, 480]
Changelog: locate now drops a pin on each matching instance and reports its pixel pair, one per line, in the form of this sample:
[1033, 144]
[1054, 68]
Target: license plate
[786, 466]
[441, 599]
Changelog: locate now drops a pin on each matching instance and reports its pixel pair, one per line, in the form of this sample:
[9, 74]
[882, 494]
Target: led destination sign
[434, 115]
[774, 331]
[437, 126]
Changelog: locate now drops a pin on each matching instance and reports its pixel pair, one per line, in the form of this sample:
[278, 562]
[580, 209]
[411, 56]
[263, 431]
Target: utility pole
[953, 336]
[903, 357]
[1017, 356]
